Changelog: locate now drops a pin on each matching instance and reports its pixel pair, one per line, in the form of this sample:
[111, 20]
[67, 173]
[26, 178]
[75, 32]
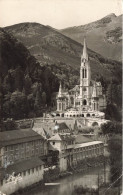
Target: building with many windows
[73, 150]
[21, 154]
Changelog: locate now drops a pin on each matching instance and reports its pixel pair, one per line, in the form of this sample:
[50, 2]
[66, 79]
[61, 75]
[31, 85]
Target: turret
[95, 98]
[94, 94]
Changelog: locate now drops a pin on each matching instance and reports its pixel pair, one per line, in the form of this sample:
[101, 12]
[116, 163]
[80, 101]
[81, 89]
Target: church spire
[85, 54]
[60, 90]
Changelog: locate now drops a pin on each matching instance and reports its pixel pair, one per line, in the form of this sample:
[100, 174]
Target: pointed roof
[58, 137]
[55, 137]
[60, 90]
[85, 54]
[94, 94]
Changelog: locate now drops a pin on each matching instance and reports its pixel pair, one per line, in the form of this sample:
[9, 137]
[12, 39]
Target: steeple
[60, 90]
[85, 54]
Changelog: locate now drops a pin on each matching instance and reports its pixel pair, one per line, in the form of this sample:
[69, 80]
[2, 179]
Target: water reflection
[67, 184]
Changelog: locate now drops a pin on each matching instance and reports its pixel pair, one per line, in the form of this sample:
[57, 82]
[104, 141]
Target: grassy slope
[96, 36]
[52, 48]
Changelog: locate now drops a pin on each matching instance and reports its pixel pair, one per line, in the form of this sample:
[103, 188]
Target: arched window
[94, 106]
[62, 115]
[88, 115]
[84, 102]
[59, 106]
[95, 124]
[97, 106]
[84, 89]
[83, 73]
[72, 100]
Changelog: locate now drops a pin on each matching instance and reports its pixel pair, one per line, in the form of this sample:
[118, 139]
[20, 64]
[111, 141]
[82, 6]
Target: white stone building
[85, 98]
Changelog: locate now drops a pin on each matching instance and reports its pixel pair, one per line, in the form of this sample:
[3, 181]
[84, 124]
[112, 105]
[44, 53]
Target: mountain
[104, 36]
[62, 54]
[25, 86]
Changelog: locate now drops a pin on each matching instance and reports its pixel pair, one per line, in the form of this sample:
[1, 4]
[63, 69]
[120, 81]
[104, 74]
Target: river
[67, 184]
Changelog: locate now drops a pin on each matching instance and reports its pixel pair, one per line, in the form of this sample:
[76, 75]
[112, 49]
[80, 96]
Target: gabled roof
[52, 148]
[82, 139]
[76, 88]
[55, 137]
[18, 136]
[59, 137]
[67, 137]
[62, 126]
[41, 132]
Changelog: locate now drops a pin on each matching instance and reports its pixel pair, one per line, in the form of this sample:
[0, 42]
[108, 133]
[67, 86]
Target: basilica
[85, 99]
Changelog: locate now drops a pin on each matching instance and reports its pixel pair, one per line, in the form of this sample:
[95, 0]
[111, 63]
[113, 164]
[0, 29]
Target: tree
[37, 104]
[19, 105]
[115, 149]
[18, 79]
[43, 98]
[27, 84]
[112, 127]
[31, 101]
[9, 125]
[8, 83]
[112, 112]
[109, 94]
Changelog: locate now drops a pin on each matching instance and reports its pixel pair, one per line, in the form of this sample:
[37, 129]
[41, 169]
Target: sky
[56, 13]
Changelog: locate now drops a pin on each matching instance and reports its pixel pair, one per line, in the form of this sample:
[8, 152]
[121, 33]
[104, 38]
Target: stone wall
[26, 179]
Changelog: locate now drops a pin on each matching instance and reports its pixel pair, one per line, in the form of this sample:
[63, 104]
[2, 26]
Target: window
[22, 145]
[84, 102]
[59, 106]
[53, 143]
[6, 148]
[36, 168]
[33, 170]
[11, 147]
[29, 171]
[85, 73]
[1, 182]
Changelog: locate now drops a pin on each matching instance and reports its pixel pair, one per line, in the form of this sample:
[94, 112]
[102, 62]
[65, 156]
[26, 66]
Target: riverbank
[67, 183]
[55, 177]
[29, 188]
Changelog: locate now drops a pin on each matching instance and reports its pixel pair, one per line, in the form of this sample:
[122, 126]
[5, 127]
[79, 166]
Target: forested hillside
[26, 86]
[62, 54]
[29, 79]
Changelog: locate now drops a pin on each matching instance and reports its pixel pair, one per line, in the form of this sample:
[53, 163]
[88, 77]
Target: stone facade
[86, 97]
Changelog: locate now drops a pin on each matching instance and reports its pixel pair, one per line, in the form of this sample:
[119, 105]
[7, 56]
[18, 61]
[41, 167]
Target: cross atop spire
[85, 54]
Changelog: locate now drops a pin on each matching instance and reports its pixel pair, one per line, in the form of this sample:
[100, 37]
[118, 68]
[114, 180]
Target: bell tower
[85, 74]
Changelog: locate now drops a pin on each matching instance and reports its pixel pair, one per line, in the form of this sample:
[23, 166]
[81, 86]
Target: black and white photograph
[61, 97]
